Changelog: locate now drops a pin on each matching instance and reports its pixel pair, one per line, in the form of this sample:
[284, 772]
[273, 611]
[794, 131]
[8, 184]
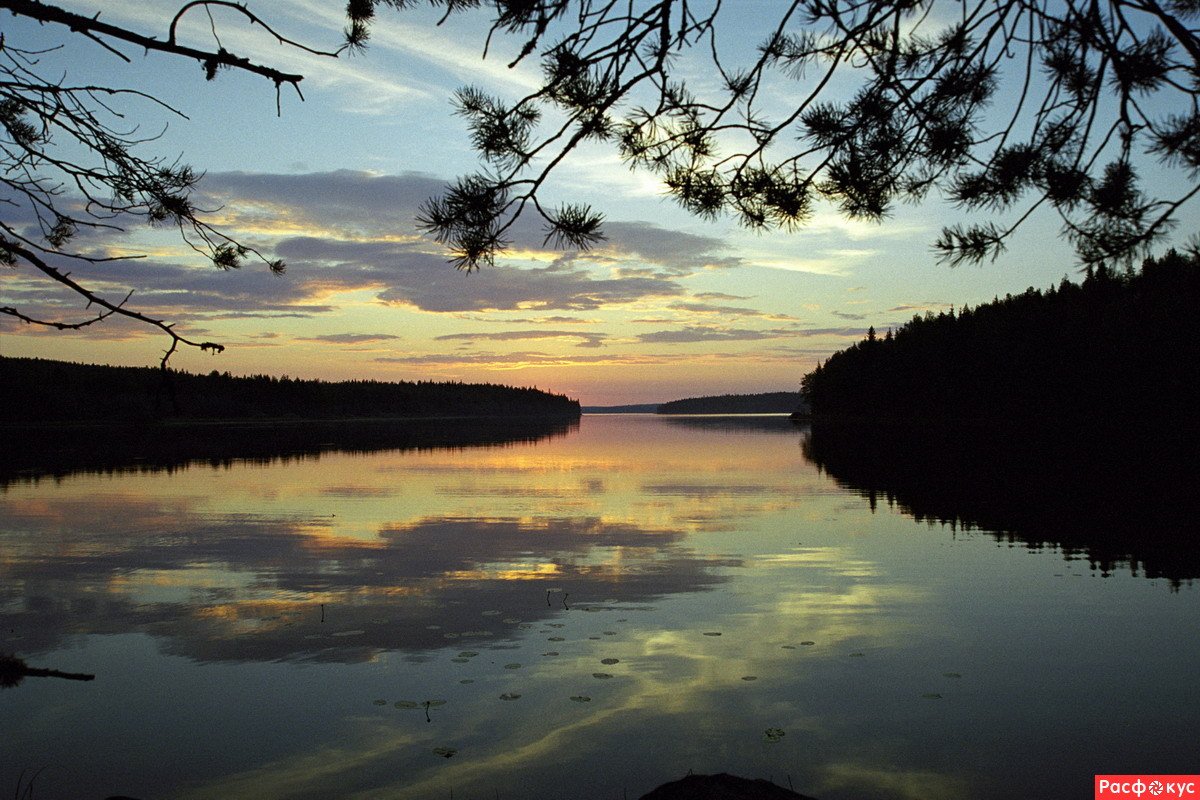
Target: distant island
[765, 403]
[1118, 346]
[40, 391]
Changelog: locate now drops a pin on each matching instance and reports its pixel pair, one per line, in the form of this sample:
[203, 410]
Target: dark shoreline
[56, 450]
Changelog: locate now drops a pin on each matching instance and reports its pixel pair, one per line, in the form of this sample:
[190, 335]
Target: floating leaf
[808, 644]
[594, 638]
[444, 752]
[749, 677]
[556, 639]
[525, 626]
[555, 625]
[601, 675]
[789, 647]
[509, 696]
[550, 653]
[610, 633]
[461, 660]
[435, 703]
[712, 633]
[468, 654]
[581, 698]
[773, 734]
[857, 655]
[407, 704]
[467, 680]
[381, 702]
[514, 665]
[610, 661]
[450, 635]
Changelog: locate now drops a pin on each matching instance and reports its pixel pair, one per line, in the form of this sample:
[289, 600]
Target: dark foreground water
[586, 615]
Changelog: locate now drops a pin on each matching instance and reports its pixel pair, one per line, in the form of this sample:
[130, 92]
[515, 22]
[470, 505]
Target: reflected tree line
[1117, 345]
[1118, 496]
[36, 453]
[1064, 418]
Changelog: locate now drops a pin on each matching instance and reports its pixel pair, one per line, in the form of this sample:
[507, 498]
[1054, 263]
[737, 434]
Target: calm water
[585, 616]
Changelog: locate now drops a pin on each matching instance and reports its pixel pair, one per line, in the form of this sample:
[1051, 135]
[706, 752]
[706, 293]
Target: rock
[721, 787]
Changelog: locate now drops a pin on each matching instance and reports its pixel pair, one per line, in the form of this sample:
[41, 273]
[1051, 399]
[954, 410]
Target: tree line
[1117, 345]
[62, 391]
[763, 403]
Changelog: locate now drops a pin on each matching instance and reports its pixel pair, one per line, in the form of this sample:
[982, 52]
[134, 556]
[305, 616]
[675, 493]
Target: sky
[668, 306]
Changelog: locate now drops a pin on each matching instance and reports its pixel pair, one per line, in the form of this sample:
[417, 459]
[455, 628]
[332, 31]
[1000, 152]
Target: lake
[588, 614]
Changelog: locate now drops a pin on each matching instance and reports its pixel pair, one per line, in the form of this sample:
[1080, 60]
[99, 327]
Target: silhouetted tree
[1117, 346]
[925, 79]
[919, 116]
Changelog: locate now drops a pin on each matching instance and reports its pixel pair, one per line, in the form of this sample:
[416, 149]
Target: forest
[39, 390]
[763, 403]
[1116, 346]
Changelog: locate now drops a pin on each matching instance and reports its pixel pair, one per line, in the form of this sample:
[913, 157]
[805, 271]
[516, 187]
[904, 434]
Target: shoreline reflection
[1117, 497]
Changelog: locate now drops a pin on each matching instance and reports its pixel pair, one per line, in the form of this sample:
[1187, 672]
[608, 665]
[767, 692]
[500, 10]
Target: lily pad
[556, 639]
[857, 655]
[467, 680]
[807, 644]
[610, 633]
[509, 696]
[468, 654]
[380, 702]
[773, 734]
[434, 703]
[712, 633]
[407, 704]
[601, 675]
[789, 647]
[550, 653]
[581, 698]
[444, 752]
[610, 661]
[514, 665]
[749, 677]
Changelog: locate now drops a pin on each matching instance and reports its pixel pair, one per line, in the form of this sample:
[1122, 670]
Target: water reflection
[335, 626]
[1119, 498]
[56, 451]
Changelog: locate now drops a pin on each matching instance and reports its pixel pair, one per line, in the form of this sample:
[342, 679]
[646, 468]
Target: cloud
[845, 315]
[588, 339]
[404, 274]
[707, 334]
[348, 338]
[729, 311]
